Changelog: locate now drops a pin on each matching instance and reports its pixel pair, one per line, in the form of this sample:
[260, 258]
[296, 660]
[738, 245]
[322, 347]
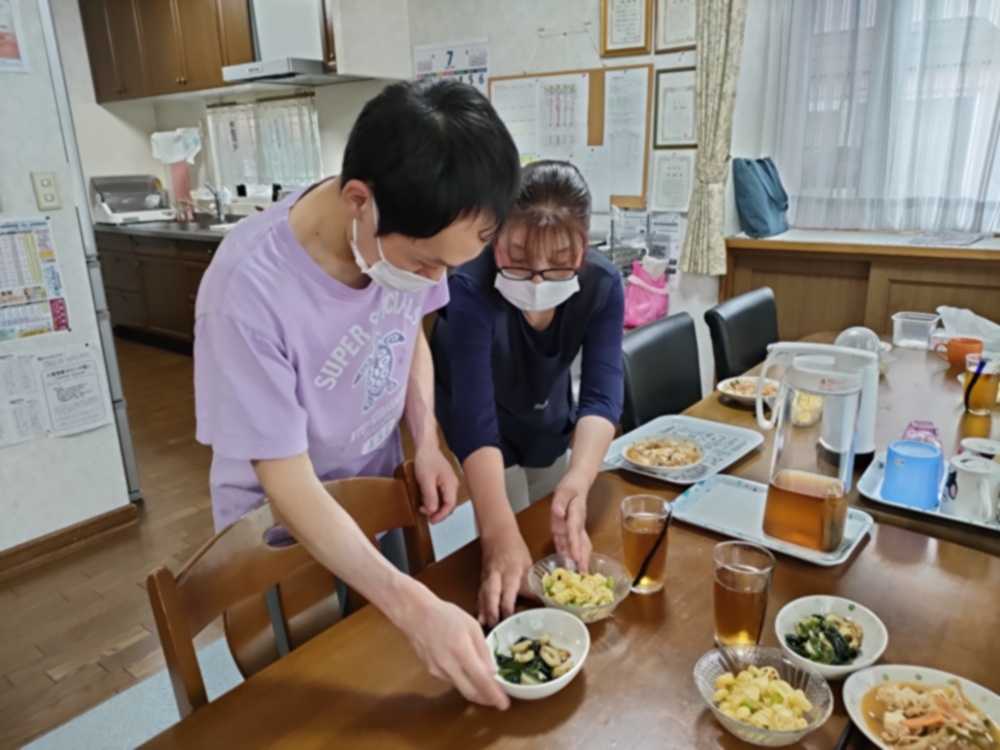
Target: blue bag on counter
[761, 200]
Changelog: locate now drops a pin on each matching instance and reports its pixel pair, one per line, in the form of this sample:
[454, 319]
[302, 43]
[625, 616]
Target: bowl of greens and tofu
[831, 635]
[538, 652]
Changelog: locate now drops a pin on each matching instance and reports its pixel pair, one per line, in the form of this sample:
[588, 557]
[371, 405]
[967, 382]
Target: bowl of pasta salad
[591, 596]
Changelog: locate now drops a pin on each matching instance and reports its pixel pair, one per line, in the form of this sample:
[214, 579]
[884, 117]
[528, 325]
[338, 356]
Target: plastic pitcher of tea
[812, 463]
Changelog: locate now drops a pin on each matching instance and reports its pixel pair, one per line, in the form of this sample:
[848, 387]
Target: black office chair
[741, 328]
[662, 374]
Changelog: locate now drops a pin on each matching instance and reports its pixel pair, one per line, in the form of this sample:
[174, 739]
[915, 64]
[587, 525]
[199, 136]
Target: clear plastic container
[912, 330]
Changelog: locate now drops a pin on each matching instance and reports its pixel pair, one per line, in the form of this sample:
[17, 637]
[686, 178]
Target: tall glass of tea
[742, 580]
[645, 520]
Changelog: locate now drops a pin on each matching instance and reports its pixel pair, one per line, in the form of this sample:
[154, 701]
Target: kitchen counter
[827, 280]
[171, 230]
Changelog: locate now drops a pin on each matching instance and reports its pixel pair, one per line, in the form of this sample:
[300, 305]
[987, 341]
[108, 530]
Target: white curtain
[719, 31]
[266, 142]
[885, 114]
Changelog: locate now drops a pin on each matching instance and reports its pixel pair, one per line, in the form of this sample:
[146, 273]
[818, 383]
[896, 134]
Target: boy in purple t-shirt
[309, 347]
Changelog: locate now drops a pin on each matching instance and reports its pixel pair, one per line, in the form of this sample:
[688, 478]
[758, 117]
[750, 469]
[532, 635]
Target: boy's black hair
[432, 152]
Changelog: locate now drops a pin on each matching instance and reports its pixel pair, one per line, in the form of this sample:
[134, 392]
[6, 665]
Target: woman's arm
[601, 398]
[474, 435]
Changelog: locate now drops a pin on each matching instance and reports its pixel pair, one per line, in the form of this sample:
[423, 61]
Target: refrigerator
[66, 456]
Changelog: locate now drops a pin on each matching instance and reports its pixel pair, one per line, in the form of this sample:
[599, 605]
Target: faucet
[220, 214]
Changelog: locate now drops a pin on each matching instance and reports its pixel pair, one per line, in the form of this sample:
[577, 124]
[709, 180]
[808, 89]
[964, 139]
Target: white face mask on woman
[531, 297]
[382, 272]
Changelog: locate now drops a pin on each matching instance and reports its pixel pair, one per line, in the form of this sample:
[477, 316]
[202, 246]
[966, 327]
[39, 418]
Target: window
[887, 112]
[266, 142]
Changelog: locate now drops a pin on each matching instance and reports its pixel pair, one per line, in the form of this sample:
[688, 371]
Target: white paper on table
[74, 391]
[675, 25]
[626, 94]
[594, 165]
[673, 178]
[22, 406]
[626, 24]
[562, 115]
[516, 101]
[13, 55]
[675, 116]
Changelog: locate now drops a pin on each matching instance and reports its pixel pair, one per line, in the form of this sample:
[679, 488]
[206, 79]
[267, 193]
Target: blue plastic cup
[913, 471]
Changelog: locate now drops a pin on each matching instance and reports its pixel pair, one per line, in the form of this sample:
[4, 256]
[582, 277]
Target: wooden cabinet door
[235, 31]
[97, 36]
[201, 44]
[190, 278]
[129, 62]
[161, 47]
[164, 311]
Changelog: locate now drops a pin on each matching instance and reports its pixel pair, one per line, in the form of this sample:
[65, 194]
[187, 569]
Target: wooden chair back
[273, 598]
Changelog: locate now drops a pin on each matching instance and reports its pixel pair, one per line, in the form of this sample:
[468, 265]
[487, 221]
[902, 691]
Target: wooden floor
[77, 631]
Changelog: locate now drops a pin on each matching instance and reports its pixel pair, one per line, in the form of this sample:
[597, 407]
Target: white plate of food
[664, 453]
[743, 389]
[942, 710]
[722, 445]
[538, 652]
[830, 634]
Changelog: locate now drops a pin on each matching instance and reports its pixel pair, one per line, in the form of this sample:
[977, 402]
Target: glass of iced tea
[742, 580]
[645, 519]
[981, 398]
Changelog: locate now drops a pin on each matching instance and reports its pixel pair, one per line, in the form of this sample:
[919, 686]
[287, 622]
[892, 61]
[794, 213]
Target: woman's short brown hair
[552, 205]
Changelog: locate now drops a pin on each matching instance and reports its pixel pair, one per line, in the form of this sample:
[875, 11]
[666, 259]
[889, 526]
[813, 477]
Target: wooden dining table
[359, 684]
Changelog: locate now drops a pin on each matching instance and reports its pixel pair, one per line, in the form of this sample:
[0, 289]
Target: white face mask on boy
[382, 272]
[531, 297]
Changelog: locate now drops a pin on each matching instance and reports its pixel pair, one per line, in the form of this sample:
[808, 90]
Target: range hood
[290, 43]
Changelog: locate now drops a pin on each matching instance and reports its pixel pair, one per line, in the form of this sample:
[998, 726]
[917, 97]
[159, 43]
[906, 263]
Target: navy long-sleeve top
[502, 383]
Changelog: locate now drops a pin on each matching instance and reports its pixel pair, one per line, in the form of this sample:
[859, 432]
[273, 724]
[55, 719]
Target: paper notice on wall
[22, 406]
[673, 179]
[74, 392]
[666, 240]
[625, 106]
[594, 164]
[562, 116]
[466, 61]
[32, 300]
[516, 101]
[13, 55]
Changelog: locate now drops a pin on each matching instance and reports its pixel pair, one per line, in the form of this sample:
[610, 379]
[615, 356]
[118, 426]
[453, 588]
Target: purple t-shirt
[287, 359]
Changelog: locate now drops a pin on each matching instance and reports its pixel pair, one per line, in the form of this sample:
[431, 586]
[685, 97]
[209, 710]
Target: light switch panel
[46, 190]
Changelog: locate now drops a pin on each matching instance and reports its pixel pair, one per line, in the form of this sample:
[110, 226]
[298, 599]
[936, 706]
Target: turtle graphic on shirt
[376, 370]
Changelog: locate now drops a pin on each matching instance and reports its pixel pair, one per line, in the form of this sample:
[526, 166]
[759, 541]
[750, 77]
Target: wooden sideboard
[831, 285]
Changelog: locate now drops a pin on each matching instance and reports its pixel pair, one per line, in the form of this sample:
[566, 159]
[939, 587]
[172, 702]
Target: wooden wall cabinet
[111, 33]
[151, 284]
[150, 47]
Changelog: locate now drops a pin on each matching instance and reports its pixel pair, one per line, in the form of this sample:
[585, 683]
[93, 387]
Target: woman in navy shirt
[519, 315]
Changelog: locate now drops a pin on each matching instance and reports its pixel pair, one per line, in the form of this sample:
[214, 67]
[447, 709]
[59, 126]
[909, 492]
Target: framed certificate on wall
[676, 119]
[675, 24]
[673, 179]
[626, 27]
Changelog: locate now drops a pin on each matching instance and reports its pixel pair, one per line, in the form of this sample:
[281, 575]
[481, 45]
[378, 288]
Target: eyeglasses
[527, 274]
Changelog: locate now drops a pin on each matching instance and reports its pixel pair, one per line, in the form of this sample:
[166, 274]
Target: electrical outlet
[46, 190]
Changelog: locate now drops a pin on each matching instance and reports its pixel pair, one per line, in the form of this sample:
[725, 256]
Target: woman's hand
[569, 519]
[506, 561]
